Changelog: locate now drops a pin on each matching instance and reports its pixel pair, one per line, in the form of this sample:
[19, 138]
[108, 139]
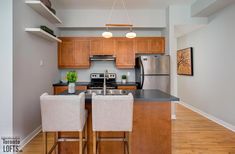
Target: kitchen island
[151, 126]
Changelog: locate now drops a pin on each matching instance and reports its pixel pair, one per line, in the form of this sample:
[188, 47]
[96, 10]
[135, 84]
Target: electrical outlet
[41, 63]
[128, 73]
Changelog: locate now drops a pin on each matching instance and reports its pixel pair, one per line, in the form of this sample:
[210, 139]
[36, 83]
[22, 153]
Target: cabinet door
[142, 45]
[125, 55]
[150, 45]
[157, 45]
[66, 54]
[127, 87]
[81, 53]
[96, 46]
[102, 46]
[108, 46]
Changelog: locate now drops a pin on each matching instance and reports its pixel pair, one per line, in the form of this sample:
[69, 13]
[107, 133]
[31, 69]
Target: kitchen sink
[108, 92]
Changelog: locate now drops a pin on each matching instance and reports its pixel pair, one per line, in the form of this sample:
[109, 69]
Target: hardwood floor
[191, 134]
[194, 134]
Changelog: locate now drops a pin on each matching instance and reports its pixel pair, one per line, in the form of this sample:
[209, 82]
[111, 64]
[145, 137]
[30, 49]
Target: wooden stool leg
[129, 143]
[80, 142]
[55, 141]
[86, 138]
[45, 143]
[94, 142]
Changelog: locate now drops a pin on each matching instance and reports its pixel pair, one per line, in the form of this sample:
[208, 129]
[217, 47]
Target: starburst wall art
[185, 62]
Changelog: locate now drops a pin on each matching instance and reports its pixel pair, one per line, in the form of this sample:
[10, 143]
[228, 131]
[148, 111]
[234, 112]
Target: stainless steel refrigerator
[153, 72]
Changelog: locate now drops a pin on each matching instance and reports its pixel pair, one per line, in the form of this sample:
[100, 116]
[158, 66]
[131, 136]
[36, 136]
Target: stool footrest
[120, 139]
[70, 140]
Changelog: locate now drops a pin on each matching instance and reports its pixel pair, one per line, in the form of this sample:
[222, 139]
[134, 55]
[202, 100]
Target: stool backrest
[112, 113]
[62, 113]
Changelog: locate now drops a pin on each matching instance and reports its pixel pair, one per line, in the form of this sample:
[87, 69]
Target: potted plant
[124, 79]
[71, 78]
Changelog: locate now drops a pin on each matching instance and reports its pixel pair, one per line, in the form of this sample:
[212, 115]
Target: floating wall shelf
[40, 8]
[42, 33]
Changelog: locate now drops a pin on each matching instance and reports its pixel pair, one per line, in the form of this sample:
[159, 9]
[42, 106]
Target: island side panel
[152, 128]
[151, 131]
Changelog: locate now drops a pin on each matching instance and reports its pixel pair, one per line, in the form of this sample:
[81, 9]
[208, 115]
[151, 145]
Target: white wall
[6, 68]
[212, 87]
[97, 32]
[98, 18]
[30, 79]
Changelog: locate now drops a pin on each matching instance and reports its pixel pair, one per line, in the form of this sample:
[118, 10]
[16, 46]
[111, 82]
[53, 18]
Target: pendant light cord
[125, 8]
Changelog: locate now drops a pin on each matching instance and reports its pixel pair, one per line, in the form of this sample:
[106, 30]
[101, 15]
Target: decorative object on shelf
[124, 79]
[71, 78]
[48, 30]
[47, 3]
[185, 61]
[108, 34]
[42, 33]
[43, 10]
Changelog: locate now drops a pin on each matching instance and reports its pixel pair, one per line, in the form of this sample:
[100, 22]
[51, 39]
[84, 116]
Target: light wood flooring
[191, 134]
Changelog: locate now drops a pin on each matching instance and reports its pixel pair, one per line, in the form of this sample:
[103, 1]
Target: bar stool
[112, 113]
[64, 113]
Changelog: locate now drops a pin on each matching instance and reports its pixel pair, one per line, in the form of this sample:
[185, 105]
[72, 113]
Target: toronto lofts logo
[10, 144]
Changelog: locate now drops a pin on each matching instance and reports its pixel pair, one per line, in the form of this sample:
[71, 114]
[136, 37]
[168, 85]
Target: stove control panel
[101, 75]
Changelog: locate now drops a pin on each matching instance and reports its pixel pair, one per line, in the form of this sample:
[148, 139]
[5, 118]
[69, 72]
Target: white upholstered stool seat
[112, 113]
[64, 113]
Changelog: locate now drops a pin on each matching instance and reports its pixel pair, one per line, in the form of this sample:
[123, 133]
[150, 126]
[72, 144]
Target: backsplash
[100, 67]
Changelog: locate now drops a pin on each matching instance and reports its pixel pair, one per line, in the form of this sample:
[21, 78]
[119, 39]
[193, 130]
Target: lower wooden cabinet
[60, 89]
[127, 87]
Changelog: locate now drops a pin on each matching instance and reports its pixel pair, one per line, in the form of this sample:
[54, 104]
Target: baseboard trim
[208, 116]
[26, 140]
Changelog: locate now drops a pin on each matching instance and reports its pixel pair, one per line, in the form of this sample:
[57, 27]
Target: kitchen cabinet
[150, 45]
[82, 53]
[125, 54]
[127, 87]
[102, 46]
[60, 89]
[73, 53]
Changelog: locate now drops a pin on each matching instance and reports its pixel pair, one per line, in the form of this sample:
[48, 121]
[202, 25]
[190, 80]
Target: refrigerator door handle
[142, 73]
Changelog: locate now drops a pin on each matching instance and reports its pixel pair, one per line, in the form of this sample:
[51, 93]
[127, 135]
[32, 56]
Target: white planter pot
[71, 88]
[124, 81]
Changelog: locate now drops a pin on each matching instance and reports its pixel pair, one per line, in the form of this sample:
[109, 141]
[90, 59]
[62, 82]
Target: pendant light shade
[107, 34]
[131, 35]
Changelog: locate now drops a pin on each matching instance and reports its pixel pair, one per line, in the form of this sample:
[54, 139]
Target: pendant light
[108, 34]
[131, 34]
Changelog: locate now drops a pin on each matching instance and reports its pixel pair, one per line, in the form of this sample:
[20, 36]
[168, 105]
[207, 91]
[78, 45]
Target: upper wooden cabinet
[82, 53]
[150, 45]
[102, 46]
[74, 53]
[125, 53]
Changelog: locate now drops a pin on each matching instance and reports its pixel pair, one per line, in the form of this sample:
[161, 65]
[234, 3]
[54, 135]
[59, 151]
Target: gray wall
[212, 87]
[30, 79]
[6, 69]
[100, 67]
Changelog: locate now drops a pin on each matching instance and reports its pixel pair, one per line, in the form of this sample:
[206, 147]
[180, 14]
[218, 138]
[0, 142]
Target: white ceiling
[106, 4]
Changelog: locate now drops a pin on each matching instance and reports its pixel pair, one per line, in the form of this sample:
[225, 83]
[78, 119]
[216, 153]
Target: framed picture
[185, 62]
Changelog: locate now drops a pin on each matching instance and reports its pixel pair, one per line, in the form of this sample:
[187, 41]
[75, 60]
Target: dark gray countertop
[77, 84]
[139, 95]
[87, 83]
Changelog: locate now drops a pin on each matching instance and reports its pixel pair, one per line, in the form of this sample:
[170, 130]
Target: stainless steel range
[97, 81]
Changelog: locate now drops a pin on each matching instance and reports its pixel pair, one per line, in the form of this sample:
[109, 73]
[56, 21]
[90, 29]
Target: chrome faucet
[105, 77]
